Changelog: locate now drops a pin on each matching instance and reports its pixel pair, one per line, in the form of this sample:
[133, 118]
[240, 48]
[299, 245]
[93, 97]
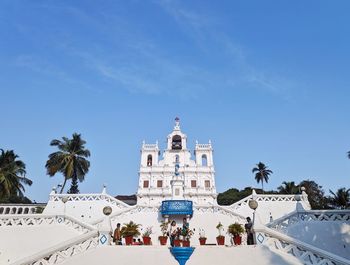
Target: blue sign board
[177, 207]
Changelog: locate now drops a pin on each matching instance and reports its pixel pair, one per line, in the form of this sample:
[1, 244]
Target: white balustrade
[89, 198]
[63, 251]
[41, 219]
[306, 253]
[21, 208]
[283, 223]
[262, 198]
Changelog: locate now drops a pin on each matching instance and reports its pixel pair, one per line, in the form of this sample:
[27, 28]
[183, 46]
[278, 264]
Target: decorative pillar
[105, 229]
[166, 218]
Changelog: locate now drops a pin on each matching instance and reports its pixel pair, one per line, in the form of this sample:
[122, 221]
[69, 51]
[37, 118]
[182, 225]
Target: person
[172, 232]
[117, 238]
[249, 230]
[185, 227]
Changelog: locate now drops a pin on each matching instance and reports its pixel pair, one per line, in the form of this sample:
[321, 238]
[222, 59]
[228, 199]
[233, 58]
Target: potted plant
[177, 240]
[130, 230]
[186, 235]
[164, 229]
[202, 238]
[236, 230]
[146, 236]
[220, 239]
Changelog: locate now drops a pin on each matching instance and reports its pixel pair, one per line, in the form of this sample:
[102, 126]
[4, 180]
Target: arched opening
[204, 160]
[149, 160]
[177, 159]
[176, 142]
[20, 210]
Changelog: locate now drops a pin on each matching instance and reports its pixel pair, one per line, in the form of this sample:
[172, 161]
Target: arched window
[176, 142]
[177, 159]
[204, 160]
[149, 160]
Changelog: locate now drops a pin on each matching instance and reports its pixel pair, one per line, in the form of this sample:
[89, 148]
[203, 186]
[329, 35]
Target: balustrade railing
[262, 198]
[89, 198]
[21, 208]
[41, 219]
[304, 252]
[284, 222]
[62, 251]
[222, 210]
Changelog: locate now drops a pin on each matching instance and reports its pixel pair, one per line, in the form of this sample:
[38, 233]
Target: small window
[177, 159]
[193, 184]
[204, 160]
[146, 183]
[207, 183]
[177, 192]
[149, 160]
[159, 183]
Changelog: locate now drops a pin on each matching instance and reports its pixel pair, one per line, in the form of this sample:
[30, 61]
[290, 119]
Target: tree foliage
[12, 175]
[262, 173]
[289, 187]
[341, 198]
[70, 160]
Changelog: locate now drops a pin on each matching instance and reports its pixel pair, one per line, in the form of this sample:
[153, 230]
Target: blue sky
[264, 80]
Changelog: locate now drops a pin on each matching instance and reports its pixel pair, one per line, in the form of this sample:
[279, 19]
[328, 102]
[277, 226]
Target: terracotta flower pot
[163, 240]
[177, 243]
[185, 243]
[146, 240]
[220, 240]
[202, 240]
[237, 240]
[128, 240]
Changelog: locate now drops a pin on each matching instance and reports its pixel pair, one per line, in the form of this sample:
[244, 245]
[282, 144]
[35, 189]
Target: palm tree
[69, 160]
[261, 173]
[341, 198]
[288, 188]
[12, 174]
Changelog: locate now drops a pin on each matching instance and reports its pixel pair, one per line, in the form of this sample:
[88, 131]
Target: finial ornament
[177, 123]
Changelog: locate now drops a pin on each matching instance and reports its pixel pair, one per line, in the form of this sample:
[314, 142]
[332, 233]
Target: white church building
[173, 175]
[173, 184]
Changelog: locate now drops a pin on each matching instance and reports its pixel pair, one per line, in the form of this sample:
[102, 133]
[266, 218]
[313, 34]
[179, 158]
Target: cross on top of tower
[177, 124]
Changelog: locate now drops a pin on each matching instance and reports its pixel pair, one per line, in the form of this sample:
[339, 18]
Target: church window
[146, 183]
[193, 184]
[207, 183]
[159, 183]
[176, 142]
[204, 160]
[177, 159]
[149, 160]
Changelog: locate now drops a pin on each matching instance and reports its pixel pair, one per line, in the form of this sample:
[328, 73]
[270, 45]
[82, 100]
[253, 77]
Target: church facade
[173, 175]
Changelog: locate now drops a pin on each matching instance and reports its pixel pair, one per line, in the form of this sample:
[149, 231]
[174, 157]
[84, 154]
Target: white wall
[203, 255]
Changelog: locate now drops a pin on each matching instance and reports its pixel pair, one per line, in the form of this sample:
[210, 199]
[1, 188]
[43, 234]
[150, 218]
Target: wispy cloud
[42, 66]
[203, 27]
[128, 58]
